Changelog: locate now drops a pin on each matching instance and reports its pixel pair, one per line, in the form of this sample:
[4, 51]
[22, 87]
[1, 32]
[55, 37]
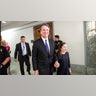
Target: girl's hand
[57, 65]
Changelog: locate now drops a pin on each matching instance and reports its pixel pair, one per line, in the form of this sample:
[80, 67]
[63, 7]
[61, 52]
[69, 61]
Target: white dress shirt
[47, 42]
[23, 46]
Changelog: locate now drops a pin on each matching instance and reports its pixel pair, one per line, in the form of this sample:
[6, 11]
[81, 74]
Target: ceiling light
[4, 22]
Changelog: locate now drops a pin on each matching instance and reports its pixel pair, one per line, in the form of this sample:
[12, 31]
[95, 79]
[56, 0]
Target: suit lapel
[20, 47]
[43, 45]
[50, 44]
[26, 46]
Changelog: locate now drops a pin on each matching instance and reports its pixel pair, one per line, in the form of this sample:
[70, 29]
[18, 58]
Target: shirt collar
[44, 39]
[22, 43]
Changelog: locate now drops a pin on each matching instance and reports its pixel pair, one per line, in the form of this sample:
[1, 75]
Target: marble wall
[91, 52]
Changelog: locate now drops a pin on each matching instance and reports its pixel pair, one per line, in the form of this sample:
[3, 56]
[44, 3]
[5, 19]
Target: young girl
[63, 59]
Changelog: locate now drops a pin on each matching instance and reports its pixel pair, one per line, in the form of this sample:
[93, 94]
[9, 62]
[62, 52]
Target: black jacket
[41, 60]
[18, 50]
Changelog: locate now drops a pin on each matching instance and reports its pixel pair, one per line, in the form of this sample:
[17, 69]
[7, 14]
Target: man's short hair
[44, 25]
[22, 37]
[57, 36]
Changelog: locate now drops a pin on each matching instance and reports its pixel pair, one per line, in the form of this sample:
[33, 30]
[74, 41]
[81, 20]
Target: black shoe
[29, 73]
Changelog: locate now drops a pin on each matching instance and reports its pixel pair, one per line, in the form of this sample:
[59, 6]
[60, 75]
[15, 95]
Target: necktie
[23, 49]
[47, 48]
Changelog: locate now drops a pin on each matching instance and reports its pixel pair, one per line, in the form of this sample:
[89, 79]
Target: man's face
[56, 39]
[44, 31]
[3, 43]
[23, 40]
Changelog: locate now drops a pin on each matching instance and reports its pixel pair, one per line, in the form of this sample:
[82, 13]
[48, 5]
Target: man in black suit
[24, 54]
[57, 42]
[43, 53]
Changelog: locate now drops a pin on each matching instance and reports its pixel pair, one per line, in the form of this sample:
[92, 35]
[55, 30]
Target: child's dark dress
[64, 61]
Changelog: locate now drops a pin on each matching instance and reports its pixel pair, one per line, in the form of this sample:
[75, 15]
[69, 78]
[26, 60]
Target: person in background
[24, 54]
[3, 43]
[57, 43]
[63, 59]
[9, 50]
[4, 59]
[43, 53]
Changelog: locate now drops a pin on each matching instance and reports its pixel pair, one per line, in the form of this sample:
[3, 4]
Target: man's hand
[36, 72]
[15, 60]
[56, 64]
[1, 65]
[70, 71]
[30, 56]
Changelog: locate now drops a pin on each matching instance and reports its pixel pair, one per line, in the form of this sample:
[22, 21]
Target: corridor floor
[15, 69]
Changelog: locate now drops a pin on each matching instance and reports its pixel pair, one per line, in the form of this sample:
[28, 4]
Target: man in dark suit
[57, 42]
[24, 54]
[43, 53]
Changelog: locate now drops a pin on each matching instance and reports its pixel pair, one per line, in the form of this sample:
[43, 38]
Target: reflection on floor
[15, 69]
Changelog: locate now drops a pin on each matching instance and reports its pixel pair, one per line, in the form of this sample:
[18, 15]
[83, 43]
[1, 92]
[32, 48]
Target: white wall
[72, 33]
[13, 37]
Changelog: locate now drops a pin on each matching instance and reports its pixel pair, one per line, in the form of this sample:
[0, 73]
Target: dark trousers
[3, 71]
[46, 71]
[27, 62]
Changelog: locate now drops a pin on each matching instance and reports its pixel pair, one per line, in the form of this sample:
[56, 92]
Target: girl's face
[64, 48]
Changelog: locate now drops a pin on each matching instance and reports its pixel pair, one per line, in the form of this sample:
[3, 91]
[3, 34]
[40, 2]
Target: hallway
[15, 69]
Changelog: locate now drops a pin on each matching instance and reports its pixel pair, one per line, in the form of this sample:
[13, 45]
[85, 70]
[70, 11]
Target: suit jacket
[18, 50]
[41, 60]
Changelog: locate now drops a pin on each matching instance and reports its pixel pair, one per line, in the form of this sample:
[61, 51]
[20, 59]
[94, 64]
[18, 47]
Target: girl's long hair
[60, 46]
